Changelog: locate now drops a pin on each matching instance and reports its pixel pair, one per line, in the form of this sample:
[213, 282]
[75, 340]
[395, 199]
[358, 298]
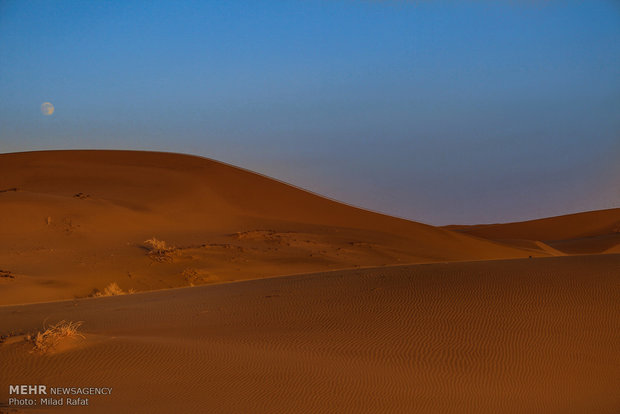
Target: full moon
[47, 108]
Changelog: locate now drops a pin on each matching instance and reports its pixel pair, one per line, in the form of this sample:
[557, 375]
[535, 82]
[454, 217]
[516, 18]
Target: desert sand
[72, 222]
[266, 298]
[581, 233]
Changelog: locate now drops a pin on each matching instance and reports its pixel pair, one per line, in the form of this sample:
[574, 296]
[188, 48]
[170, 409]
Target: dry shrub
[193, 276]
[159, 250]
[113, 289]
[6, 274]
[259, 235]
[47, 339]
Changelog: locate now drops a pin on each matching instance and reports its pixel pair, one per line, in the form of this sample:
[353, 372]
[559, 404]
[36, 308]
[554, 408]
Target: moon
[47, 108]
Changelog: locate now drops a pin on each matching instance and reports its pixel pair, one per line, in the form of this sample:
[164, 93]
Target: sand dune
[72, 222]
[516, 336]
[463, 330]
[583, 233]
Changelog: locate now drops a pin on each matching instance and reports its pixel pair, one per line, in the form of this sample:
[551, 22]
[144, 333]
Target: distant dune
[582, 233]
[73, 222]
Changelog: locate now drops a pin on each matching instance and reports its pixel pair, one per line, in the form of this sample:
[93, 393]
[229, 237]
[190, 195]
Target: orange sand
[384, 315]
[582, 233]
[75, 221]
[516, 336]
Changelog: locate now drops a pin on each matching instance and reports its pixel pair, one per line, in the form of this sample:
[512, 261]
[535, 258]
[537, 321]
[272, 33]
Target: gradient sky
[438, 111]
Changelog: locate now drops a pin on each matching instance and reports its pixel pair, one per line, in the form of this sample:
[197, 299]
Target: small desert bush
[193, 276]
[46, 340]
[113, 289]
[159, 250]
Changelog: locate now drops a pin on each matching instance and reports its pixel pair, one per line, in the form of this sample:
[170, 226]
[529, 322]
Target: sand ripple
[516, 336]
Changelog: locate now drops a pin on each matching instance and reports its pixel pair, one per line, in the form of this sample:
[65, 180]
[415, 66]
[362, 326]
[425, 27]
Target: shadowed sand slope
[582, 233]
[72, 222]
[516, 336]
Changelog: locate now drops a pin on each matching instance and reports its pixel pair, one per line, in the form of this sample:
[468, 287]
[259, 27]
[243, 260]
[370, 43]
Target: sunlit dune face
[47, 108]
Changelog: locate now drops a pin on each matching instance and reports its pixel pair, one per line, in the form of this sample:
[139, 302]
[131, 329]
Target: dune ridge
[588, 232]
[72, 222]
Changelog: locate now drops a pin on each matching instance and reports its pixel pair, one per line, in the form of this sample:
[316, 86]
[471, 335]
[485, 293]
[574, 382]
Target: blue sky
[438, 111]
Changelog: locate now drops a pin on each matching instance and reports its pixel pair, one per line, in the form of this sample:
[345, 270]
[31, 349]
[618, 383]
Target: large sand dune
[516, 336]
[72, 222]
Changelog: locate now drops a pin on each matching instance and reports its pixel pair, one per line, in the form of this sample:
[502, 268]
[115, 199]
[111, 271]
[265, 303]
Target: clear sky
[438, 111]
